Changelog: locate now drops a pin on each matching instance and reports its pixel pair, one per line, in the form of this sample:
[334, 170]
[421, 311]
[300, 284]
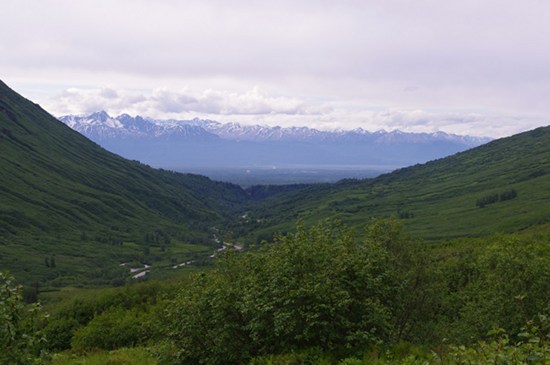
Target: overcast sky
[478, 67]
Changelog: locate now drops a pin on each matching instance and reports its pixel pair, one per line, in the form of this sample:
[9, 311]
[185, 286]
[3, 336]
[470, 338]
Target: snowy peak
[101, 116]
[258, 133]
[100, 126]
[93, 125]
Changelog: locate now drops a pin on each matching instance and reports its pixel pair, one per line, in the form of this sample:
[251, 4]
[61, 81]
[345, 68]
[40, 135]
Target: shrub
[21, 341]
[116, 327]
[319, 287]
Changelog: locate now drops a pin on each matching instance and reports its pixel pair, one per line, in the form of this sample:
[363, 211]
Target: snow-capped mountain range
[101, 126]
[180, 144]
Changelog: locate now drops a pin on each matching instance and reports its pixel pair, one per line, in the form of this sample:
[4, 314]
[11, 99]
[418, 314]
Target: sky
[477, 67]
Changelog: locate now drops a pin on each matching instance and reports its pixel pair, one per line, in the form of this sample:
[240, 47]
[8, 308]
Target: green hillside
[503, 186]
[71, 210]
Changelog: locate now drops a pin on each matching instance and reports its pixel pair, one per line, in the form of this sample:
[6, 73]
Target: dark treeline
[495, 198]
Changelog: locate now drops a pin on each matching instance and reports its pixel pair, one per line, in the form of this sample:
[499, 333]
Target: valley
[247, 176]
[64, 196]
[427, 264]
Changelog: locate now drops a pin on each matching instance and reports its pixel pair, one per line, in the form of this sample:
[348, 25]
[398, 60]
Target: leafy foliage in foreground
[122, 356]
[110, 318]
[321, 295]
[322, 288]
[532, 349]
[21, 341]
[319, 287]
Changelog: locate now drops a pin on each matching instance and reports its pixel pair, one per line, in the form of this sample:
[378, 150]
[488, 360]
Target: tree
[319, 287]
[21, 341]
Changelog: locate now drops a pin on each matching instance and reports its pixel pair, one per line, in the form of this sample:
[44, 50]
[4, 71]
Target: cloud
[222, 102]
[108, 93]
[313, 61]
[258, 107]
[166, 102]
[422, 43]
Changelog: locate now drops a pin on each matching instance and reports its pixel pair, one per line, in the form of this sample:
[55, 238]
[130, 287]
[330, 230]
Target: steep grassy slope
[64, 198]
[436, 200]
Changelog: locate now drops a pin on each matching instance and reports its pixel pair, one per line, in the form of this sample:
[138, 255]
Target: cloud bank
[166, 102]
[257, 107]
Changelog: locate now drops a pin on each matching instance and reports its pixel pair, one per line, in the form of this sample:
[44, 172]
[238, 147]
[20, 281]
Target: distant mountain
[100, 126]
[207, 143]
[64, 199]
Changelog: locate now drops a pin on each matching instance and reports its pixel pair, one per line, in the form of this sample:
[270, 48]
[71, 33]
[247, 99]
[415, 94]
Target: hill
[70, 210]
[502, 186]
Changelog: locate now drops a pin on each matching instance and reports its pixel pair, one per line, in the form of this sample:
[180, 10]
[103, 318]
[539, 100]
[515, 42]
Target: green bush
[503, 285]
[319, 287]
[21, 341]
[531, 348]
[123, 356]
[141, 300]
[60, 332]
[116, 327]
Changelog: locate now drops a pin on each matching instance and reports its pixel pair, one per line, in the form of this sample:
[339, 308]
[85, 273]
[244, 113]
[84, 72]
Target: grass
[129, 356]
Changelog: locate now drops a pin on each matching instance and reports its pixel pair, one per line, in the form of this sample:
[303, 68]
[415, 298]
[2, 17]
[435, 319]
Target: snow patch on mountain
[101, 126]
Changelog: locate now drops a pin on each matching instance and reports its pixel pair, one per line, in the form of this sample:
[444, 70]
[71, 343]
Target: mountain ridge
[178, 145]
[261, 133]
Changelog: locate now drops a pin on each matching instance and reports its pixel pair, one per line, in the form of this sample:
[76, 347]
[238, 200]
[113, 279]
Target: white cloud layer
[161, 102]
[480, 66]
[257, 107]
